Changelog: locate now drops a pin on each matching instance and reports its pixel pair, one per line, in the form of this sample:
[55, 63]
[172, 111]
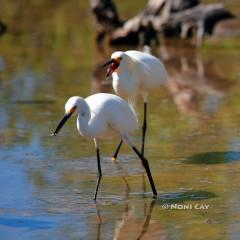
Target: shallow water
[193, 143]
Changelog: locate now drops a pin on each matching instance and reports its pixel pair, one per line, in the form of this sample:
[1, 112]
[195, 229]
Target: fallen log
[199, 20]
[172, 18]
[106, 16]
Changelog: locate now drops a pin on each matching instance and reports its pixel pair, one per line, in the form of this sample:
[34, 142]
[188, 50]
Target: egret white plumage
[134, 73]
[102, 116]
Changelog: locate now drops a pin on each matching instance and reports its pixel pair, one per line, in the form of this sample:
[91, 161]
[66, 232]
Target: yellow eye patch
[72, 110]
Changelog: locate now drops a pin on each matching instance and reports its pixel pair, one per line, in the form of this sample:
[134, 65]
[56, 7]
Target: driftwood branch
[106, 16]
[178, 18]
[201, 18]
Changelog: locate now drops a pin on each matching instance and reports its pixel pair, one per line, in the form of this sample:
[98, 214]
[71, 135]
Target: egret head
[71, 107]
[72, 104]
[114, 63]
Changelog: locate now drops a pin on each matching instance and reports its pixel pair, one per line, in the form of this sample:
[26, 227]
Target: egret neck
[84, 115]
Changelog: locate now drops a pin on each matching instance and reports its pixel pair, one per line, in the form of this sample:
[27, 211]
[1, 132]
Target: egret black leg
[147, 168]
[99, 173]
[144, 127]
[114, 157]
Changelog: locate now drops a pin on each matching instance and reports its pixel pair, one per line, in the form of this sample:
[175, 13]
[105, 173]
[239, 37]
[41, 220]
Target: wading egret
[102, 116]
[133, 73]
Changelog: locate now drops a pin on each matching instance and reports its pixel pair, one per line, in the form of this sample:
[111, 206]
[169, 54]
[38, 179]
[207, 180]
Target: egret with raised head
[133, 73]
[102, 116]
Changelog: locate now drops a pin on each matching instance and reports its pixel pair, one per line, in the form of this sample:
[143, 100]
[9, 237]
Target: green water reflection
[192, 144]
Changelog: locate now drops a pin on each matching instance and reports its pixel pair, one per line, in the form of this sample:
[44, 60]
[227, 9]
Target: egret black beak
[108, 63]
[114, 65]
[62, 122]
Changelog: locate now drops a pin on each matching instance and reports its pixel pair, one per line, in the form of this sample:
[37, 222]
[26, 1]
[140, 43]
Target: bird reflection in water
[130, 227]
[99, 222]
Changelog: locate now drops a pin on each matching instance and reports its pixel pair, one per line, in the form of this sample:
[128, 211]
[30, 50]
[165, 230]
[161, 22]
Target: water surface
[193, 143]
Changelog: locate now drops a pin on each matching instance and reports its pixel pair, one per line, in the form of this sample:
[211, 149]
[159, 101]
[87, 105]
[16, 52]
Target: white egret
[134, 73]
[102, 116]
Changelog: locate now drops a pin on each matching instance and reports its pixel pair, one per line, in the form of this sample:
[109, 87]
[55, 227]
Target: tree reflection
[191, 80]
